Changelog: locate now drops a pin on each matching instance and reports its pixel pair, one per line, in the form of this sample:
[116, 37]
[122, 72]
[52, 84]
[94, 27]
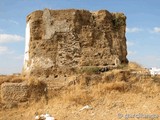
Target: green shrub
[118, 20]
[122, 66]
[90, 69]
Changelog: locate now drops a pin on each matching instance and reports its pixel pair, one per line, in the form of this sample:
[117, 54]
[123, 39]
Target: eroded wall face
[57, 41]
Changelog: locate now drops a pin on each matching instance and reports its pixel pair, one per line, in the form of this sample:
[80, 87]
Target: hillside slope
[125, 92]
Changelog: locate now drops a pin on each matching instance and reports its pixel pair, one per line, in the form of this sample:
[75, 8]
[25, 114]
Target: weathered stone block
[14, 92]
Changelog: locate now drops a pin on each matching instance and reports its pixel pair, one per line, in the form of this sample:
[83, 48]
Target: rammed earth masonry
[58, 42]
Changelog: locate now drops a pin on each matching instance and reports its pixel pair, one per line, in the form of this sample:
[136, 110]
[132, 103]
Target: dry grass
[91, 87]
[11, 78]
[77, 95]
[33, 81]
[118, 86]
[135, 66]
[119, 89]
[37, 90]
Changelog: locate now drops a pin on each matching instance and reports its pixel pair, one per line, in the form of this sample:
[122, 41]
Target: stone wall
[60, 41]
[14, 92]
[22, 92]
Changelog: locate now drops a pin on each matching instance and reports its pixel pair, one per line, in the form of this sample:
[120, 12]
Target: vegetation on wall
[118, 20]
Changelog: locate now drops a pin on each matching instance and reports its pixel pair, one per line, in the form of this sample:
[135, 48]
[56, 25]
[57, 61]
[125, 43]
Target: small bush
[81, 98]
[37, 89]
[122, 66]
[90, 69]
[78, 95]
[33, 81]
[118, 21]
[134, 65]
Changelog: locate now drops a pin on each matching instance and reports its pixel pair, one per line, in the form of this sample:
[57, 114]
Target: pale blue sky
[143, 27]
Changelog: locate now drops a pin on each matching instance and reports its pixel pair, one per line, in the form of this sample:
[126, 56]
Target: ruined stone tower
[59, 41]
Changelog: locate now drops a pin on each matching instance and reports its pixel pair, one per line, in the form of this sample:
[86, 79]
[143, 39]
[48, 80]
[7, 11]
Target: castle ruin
[60, 41]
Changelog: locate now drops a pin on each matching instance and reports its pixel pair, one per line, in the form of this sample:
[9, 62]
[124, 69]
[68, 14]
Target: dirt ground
[114, 95]
[113, 106]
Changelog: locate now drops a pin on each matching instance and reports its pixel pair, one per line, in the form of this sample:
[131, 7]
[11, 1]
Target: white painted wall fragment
[27, 41]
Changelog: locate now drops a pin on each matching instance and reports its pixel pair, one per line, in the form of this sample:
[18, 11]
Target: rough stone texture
[61, 41]
[14, 92]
